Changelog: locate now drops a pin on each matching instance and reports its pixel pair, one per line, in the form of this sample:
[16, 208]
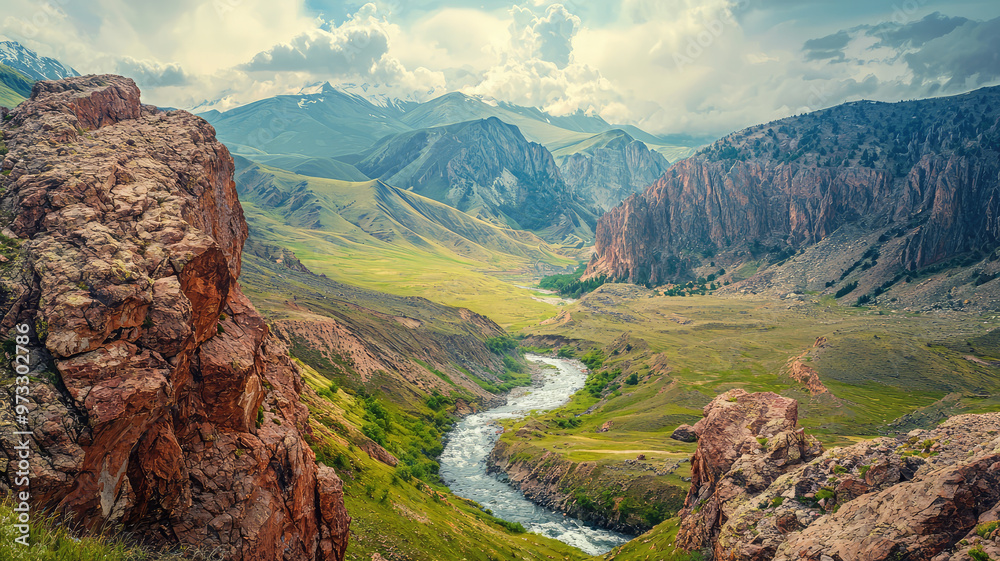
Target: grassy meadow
[376, 236]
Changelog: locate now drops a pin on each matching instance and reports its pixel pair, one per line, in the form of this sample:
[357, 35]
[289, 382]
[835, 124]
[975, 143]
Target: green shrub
[978, 554]
[501, 344]
[594, 358]
[776, 501]
[987, 528]
[513, 365]
[633, 379]
[825, 493]
[403, 472]
[512, 527]
[374, 432]
[847, 289]
[566, 352]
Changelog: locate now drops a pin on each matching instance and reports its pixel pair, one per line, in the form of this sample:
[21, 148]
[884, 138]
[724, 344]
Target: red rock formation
[794, 182]
[745, 442]
[806, 375]
[761, 491]
[173, 410]
[911, 520]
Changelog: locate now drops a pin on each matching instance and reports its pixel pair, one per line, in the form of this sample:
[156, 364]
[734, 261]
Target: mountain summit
[484, 167]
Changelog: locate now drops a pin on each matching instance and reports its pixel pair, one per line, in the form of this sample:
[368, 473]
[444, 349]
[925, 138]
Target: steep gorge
[160, 399]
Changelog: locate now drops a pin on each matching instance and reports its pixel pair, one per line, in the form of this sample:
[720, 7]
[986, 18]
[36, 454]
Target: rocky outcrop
[745, 442]
[799, 370]
[274, 254]
[786, 185]
[612, 166]
[776, 496]
[685, 433]
[161, 402]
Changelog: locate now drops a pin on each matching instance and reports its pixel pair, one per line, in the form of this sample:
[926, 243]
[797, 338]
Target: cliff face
[611, 169]
[924, 171]
[763, 490]
[171, 409]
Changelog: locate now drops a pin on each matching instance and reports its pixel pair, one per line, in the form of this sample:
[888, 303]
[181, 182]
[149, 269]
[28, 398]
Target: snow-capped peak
[31, 64]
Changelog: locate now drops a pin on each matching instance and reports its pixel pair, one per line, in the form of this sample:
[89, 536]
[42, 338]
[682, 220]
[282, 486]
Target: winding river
[463, 463]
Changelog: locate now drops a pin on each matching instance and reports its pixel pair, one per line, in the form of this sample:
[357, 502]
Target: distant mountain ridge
[913, 184]
[489, 158]
[484, 167]
[373, 212]
[20, 68]
[608, 167]
[323, 124]
[327, 121]
[31, 64]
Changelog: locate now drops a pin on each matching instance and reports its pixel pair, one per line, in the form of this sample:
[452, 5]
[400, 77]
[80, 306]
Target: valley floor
[654, 361]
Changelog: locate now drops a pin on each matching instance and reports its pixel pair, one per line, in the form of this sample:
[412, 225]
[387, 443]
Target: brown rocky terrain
[763, 490]
[915, 184]
[161, 402]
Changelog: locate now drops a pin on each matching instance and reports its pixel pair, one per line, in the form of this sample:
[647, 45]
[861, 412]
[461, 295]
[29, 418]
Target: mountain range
[485, 168]
[507, 174]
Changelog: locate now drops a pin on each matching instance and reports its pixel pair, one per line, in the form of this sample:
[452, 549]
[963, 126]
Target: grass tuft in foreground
[52, 539]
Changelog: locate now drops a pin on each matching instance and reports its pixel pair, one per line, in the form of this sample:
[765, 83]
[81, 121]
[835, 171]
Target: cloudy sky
[669, 66]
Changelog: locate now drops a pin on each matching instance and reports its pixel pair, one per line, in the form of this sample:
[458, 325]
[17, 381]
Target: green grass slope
[879, 366]
[656, 360]
[328, 168]
[407, 347]
[15, 87]
[374, 235]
